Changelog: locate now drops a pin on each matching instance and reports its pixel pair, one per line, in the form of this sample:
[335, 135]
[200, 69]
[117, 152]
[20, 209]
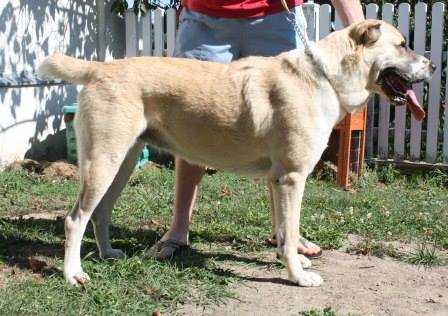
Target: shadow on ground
[21, 238]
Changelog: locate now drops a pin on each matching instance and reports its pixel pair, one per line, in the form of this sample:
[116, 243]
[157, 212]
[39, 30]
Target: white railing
[392, 133]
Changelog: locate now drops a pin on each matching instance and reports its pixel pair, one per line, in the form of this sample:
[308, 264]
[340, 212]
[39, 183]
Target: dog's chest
[258, 168]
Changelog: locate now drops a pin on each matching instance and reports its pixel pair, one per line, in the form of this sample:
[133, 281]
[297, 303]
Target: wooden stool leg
[345, 139]
[362, 146]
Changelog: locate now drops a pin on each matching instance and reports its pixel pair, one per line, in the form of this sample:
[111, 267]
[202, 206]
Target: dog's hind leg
[101, 179]
[106, 147]
[288, 190]
[102, 213]
[97, 176]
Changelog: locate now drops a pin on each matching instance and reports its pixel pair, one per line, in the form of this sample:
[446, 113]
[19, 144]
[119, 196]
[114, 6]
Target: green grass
[325, 312]
[231, 220]
[371, 247]
[426, 256]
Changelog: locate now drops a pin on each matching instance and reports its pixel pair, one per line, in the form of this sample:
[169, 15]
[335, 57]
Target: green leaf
[119, 7]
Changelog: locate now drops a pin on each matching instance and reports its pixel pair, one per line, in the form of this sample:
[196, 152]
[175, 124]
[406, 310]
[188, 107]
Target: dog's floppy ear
[366, 33]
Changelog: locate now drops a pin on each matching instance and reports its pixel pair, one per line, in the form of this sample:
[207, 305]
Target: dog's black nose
[433, 67]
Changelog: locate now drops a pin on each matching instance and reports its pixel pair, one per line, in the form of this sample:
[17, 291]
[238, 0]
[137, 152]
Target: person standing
[223, 31]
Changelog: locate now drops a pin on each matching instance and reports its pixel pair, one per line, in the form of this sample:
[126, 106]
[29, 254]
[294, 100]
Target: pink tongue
[415, 107]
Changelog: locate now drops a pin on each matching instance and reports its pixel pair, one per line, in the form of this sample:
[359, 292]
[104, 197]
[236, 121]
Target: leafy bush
[143, 6]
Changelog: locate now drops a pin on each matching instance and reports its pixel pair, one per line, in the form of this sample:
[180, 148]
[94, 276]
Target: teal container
[144, 158]
[69, 115]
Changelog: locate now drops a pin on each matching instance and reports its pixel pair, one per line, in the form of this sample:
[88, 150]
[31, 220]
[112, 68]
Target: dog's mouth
[398, 88]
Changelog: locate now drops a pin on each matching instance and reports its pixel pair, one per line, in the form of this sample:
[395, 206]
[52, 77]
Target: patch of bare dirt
[3, 275]
[49, 170]
[355, 284]
[54, 215]
[60, 169]
[15, 274]
[355, 244]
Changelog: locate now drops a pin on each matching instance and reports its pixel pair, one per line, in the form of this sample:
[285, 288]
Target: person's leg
[270, 36]
[304, 247]
[204, 38]
[188, 177]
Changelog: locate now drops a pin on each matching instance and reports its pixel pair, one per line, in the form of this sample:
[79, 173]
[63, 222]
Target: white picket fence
[392, 133]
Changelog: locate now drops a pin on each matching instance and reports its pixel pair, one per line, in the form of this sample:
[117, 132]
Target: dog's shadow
[25, 238]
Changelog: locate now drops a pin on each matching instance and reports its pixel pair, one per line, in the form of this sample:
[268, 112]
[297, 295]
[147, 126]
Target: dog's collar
[317, 61]
[308, 46]
[319, 66]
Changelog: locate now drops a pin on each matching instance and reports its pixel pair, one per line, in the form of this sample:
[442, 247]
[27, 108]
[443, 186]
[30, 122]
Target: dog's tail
[59, 66]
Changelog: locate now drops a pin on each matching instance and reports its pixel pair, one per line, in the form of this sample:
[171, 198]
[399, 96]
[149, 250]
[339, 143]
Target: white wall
[29, 31]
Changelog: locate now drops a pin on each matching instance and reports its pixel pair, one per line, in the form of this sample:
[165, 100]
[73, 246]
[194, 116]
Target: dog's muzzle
[397, 86]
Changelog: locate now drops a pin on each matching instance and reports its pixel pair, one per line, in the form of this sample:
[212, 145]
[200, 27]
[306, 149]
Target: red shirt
[238, 9]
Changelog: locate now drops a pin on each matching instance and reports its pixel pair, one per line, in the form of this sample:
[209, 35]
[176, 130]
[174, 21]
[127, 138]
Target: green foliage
[142, 6]
[374, 248]
[327, 311]
[426, 256]
[387, 174]
[119, 7]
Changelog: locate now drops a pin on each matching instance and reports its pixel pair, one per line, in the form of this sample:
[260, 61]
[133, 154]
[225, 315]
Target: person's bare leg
[188, 177]
[308, 249]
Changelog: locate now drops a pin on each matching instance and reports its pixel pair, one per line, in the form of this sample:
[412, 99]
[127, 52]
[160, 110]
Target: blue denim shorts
[222, 39]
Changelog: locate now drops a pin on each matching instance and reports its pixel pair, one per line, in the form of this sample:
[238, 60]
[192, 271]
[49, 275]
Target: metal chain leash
[292, 18]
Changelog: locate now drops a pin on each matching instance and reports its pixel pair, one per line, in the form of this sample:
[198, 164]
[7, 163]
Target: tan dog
[261, 117]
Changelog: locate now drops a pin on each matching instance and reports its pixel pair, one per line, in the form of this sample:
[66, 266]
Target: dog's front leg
[287, 192]
[306, 263]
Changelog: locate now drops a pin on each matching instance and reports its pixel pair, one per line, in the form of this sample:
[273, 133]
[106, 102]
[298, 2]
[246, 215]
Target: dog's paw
[113, 254]
[306, 263]
[78, 278]
[307, 279]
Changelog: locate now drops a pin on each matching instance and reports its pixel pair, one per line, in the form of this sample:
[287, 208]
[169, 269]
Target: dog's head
[392, 67]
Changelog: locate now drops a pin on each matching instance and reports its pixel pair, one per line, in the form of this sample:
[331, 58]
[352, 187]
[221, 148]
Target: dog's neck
[337, 60]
